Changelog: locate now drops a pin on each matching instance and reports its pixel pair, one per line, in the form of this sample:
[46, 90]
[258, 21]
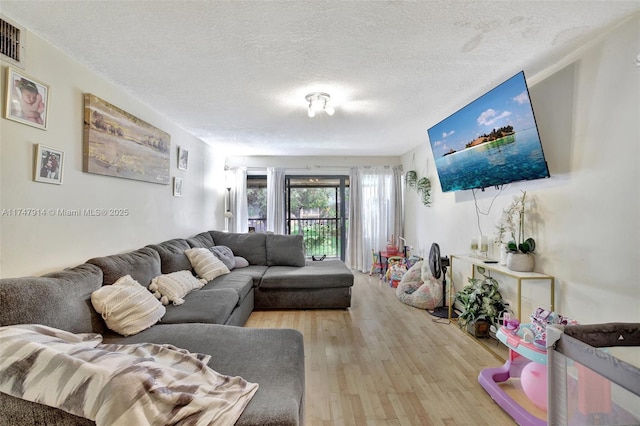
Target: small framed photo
[177, 187]
[183, 158]
[49, 165]
[27, 99]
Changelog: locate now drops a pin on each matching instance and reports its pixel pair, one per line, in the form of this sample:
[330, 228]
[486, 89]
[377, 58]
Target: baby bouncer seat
[422, 285]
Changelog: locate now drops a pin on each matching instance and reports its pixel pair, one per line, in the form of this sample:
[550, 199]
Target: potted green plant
[519, 249]
[411, 179]
[482, 304]
[424, 189]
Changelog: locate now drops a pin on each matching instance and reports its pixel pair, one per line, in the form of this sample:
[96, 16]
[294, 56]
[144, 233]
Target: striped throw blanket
[139, 384]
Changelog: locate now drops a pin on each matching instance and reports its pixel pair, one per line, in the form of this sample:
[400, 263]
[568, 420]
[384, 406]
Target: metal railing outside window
[323, 222]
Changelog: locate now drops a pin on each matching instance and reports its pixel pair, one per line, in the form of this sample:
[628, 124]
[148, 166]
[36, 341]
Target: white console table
[518, 276]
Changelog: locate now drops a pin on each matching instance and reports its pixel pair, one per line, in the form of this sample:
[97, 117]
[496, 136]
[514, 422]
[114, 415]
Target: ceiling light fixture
[319, 101]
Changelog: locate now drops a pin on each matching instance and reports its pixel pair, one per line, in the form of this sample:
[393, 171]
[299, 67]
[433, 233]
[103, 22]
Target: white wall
[588, 213]
[36, 245]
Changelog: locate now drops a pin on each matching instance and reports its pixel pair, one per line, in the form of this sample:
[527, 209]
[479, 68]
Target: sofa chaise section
[316, 285]
[273, 358]
[288, 280]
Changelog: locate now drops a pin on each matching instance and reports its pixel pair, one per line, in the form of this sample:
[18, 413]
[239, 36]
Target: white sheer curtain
[398, 200]
[276, 200]
[353, 258]
[375, 213]
[240, 220]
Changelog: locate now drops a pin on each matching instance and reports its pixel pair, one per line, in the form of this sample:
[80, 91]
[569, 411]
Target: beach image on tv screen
[490, 142]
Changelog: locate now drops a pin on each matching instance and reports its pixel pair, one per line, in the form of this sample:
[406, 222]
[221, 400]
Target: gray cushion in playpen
[419, 288]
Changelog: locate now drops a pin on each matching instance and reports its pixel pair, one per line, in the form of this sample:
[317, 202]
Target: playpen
[584, 375]
[594, 374]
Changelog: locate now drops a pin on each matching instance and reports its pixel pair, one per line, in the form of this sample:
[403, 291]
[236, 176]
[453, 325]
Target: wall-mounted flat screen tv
[492, 141]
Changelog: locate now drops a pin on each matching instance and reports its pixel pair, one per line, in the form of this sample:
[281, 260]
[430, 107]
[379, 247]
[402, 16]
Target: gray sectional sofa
[210, 321]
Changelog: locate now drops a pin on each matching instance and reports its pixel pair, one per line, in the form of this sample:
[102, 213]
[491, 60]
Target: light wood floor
[382, 362]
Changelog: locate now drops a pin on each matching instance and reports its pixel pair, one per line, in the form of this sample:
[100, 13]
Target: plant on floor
[481, 300]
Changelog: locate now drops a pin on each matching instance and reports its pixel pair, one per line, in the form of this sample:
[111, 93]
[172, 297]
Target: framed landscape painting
[119, 144]
[26, 99]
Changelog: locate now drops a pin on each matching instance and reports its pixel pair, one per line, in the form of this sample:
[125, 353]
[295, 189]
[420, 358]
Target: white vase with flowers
[511, 234]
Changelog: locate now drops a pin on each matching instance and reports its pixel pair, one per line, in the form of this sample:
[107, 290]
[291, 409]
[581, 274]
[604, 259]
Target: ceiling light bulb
[329, 110]
[312, 111]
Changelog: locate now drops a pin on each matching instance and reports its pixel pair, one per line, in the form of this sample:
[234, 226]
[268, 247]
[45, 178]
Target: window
[317, 207]
[257, 203]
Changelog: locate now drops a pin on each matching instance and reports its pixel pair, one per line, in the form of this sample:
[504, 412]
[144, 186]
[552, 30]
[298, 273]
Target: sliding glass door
[317, 207]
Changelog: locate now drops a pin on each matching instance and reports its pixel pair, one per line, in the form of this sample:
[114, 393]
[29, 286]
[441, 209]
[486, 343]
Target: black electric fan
[438, 265]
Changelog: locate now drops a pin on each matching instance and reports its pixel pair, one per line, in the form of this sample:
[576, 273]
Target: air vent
[11, 42]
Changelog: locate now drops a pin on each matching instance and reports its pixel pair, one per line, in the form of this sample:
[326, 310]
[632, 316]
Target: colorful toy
[541, 318]
[395, 272]
[521, 354]
[376, 264]
[533, 379]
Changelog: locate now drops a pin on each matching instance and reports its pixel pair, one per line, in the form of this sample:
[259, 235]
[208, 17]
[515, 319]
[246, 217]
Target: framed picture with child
[27, 99]
[49, 165]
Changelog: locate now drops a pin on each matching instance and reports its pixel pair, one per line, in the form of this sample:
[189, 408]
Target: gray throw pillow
[241, 262]
[225, 254]
[285, 250]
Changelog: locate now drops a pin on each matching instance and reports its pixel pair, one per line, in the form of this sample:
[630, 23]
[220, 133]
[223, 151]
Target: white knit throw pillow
[205, 264]
[126, 306]
[174, 286]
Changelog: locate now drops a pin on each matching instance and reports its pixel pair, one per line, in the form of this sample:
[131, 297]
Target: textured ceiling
[236, 72]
